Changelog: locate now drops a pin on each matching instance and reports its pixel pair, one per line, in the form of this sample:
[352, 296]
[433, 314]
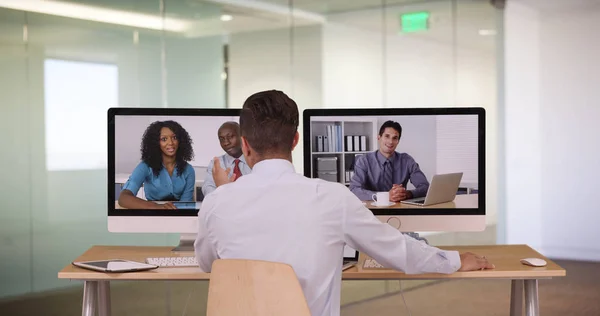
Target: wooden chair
[251, 287]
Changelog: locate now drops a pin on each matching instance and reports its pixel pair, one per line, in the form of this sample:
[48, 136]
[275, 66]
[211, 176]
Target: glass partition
[62, 69]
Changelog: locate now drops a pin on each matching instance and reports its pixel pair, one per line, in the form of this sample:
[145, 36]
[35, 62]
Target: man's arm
[418, 179]
[359, 180]
[204, 247]
[128, 198]
[209, 183]
[388, 246]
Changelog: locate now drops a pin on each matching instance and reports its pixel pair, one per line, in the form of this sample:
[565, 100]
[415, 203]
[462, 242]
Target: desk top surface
[504, 257]
[460, 201]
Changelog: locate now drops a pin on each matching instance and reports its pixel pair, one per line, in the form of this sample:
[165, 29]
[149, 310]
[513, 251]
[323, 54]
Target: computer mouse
[534, 262]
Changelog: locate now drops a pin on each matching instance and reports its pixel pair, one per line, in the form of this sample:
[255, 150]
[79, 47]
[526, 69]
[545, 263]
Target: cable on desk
[402, 294]
[188, 300]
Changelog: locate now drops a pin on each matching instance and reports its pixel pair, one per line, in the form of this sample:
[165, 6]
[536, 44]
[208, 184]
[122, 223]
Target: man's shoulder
[142, 164]
[366, 157]
[329, 186]
[143, 167]
[370, 154]
[188, 169]
[221, 159]
[227, 190]
[405, 157]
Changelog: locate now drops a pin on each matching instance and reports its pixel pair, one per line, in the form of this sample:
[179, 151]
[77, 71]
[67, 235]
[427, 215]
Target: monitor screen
[401, 161]
[159, 158]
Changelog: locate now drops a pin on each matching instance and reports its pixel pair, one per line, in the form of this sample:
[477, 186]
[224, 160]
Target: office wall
[570, 77]
[522, 126]
[352, 67]
[52, 215]
[282, 60]
[15, 214]
[551, 124]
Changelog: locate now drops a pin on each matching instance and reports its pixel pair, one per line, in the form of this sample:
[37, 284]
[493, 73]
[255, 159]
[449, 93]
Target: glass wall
[61, 70]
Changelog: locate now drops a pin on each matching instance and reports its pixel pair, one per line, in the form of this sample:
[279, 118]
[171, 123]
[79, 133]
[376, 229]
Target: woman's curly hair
[152, 154]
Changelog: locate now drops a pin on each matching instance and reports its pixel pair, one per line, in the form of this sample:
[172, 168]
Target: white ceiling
[450, 24]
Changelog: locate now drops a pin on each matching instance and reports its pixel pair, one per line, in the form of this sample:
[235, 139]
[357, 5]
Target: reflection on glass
[75, 92]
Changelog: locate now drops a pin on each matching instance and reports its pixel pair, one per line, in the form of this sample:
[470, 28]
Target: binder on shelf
[334, 140]
[363, 143]
[340, 138]
[349, 146]
[356, 143]
[330, 138]
[319, 143]
[325, 144]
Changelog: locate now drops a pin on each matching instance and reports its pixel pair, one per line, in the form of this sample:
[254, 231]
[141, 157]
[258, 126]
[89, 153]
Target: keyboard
[173, 261]
[372, 264]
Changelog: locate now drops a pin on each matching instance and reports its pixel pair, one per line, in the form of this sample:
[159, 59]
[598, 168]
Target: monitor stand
[186, 243]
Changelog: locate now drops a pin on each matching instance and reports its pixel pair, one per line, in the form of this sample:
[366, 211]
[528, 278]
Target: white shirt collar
[273, 166]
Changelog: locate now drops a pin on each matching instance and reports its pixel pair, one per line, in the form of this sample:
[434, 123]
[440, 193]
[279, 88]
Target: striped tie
[387, 178]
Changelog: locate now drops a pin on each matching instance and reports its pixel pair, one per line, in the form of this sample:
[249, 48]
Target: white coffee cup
[381, 198]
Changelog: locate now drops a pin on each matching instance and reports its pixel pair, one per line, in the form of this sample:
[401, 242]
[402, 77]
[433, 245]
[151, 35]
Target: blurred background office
[530, 63]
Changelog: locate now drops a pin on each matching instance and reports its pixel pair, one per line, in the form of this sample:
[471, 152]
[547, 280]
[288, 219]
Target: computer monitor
[438, 158]
[195, 131]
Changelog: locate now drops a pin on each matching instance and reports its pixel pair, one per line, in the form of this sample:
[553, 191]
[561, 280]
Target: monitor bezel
[479, 111]
[112, 112]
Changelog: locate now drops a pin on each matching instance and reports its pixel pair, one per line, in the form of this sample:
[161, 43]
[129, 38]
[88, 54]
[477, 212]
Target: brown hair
[269, 122]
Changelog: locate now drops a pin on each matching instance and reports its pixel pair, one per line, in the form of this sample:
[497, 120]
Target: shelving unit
[350, 126]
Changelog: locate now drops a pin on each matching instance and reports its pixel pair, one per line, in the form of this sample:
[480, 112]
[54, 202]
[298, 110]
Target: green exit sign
[414, 22]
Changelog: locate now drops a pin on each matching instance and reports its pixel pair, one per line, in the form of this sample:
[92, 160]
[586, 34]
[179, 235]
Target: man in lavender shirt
[388, 170]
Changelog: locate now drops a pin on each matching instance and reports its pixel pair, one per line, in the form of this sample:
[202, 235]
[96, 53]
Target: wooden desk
[96, 293]
[460, 201]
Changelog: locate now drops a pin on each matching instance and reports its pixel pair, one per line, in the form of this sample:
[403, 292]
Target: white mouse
[535, 262]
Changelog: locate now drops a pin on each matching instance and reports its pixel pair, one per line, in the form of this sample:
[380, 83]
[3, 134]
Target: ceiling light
[485, 32]
[97, 14]
[226, 17]
[259, 5]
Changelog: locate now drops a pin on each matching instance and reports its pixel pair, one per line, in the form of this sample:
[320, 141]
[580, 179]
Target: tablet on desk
[115, 265]
[186, 205]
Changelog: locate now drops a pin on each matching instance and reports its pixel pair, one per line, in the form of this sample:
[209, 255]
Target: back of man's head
[269, 122]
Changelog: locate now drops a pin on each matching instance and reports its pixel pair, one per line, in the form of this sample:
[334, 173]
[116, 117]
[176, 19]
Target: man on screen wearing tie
[386, 170]
[233, 160]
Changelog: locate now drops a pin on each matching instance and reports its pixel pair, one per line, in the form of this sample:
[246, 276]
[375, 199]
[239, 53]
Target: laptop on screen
[442, 189]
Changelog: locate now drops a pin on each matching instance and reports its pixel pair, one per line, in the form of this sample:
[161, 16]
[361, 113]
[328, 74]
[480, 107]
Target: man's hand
[169, 206]
[399, 193]
[220, 175]
[471, 262]
[395, 194]
[164, 206]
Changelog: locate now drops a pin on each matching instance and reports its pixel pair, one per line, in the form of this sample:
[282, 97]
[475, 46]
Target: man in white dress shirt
[276, 214]
[233, 160]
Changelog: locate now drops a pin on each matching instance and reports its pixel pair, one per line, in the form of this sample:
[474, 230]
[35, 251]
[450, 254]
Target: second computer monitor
[144, 195]
[417, 169]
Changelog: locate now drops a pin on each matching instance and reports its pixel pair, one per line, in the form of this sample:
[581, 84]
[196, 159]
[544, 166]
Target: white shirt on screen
[276, 214]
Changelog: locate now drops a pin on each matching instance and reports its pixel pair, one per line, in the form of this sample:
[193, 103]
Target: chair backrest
[251, 287]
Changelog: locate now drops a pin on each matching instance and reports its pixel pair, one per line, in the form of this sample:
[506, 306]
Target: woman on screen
[164, 171]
